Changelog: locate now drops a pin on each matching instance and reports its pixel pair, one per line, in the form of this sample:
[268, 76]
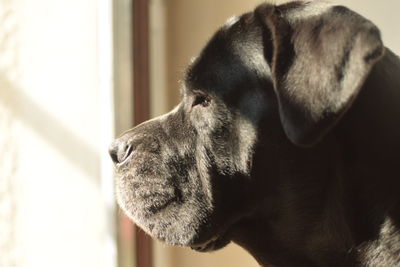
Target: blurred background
[73, 75]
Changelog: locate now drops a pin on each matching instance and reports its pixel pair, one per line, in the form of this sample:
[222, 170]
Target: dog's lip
[203, 245]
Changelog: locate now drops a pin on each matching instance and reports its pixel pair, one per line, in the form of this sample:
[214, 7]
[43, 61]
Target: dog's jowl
[286, 141]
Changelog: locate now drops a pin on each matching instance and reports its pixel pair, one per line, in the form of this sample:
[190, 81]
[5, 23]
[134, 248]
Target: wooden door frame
[141, 102]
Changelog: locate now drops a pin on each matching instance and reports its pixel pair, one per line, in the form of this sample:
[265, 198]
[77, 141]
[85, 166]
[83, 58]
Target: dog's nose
[120, 151]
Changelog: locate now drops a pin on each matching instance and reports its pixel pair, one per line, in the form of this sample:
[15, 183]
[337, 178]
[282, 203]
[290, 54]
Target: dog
[286, 141]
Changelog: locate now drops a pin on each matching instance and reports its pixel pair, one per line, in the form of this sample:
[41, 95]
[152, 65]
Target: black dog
[286, 141]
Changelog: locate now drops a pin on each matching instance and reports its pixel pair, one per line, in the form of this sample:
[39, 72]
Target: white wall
[55, 203]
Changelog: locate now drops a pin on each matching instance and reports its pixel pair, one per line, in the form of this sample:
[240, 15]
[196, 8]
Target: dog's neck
[372, 123]
[302, 222]
[369, 136]
[317, 210]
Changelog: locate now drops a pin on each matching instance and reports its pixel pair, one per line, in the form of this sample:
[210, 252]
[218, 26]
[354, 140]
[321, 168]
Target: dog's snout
[120, 151]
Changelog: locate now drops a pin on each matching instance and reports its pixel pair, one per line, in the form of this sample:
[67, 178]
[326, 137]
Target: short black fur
[295, 155]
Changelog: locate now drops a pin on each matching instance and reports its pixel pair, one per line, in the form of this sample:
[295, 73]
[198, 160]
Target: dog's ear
[320, 56]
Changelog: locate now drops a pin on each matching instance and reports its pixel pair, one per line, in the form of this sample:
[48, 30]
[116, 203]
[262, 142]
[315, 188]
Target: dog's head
[279, 73]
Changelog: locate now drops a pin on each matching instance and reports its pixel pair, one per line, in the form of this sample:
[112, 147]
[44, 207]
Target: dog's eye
[202, 100]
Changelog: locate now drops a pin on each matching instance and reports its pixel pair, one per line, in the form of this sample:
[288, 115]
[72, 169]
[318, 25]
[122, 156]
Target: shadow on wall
[31, 114]
[16, 106]
[73, 148]
[51, 199]
[8, 190]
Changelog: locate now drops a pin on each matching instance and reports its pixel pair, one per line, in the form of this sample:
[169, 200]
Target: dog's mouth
[214, 243]
[206, 246]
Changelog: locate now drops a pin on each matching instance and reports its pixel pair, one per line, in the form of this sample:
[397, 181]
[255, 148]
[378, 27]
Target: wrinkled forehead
[230, 60]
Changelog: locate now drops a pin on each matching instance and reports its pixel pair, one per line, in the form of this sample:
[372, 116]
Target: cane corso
[286, 141]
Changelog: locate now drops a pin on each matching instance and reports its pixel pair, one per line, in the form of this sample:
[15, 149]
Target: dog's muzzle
[120, 151]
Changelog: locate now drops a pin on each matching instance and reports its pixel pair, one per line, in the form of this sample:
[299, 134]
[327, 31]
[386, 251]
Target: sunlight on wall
[53, 209]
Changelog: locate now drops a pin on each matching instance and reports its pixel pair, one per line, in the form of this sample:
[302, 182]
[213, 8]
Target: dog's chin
[174, 210]
[175, 224]
[167, 214]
